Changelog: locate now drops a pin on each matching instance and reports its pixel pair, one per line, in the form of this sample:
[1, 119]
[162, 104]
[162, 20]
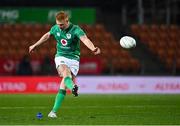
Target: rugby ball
[127, 42]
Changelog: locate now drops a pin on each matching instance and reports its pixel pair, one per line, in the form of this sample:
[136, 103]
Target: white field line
[90, 107]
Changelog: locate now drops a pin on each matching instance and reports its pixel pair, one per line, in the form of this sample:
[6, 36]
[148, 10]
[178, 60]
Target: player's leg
[59, 98]
[63, 68]
[68, 79]
[74, 68]
[66, 74]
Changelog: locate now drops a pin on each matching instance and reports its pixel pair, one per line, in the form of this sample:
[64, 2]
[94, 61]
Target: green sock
[69, 83]
[59, 98]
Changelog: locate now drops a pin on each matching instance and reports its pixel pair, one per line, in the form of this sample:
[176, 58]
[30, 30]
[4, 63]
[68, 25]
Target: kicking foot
[75, 90]
[52, 115]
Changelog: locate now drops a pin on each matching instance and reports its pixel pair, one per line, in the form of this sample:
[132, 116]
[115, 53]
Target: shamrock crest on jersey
[68, 36]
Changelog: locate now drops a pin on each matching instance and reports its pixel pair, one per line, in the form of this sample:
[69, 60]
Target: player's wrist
[95, 50]
[35, 45]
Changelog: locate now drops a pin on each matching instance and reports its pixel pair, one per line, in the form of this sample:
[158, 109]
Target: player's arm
[43, 39]
[90, 45]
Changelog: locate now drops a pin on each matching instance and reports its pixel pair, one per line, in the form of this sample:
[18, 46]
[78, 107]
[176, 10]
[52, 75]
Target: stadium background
[153, 67]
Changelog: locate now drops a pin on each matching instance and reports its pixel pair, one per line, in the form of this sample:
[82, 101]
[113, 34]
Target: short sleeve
[79, 32]
[52, 30]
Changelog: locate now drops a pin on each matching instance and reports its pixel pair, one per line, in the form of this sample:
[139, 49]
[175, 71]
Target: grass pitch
[21, 109]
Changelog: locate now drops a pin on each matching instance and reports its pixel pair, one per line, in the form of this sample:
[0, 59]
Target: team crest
[68, 36]
[64, 42]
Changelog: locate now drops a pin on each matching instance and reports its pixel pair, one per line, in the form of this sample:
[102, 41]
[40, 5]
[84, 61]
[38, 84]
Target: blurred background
[152, 67]
[153, 23]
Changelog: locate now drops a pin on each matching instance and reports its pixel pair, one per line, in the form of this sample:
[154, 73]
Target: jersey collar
[70, 26]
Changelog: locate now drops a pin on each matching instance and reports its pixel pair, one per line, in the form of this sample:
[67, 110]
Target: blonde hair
[61, 15]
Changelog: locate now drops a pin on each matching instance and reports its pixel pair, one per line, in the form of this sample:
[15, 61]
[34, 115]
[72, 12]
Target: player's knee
[66, 73]
[62, 86]
[60, 74]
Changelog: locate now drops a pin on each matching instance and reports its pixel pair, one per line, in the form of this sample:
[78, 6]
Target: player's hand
[31, 48]
[97, 51]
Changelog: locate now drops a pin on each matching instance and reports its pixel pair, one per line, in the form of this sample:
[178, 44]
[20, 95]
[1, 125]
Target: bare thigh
[64, 71]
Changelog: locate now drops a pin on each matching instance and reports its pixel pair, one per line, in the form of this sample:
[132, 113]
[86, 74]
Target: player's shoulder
[75, 26]
[54, 29]
[54, 26]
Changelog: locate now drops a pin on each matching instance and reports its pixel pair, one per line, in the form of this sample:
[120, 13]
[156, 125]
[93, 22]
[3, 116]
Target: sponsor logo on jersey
[68, 36]
[64, 42]
[58, 34]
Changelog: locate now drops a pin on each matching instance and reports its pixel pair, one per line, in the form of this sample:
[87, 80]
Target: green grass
[91, 110]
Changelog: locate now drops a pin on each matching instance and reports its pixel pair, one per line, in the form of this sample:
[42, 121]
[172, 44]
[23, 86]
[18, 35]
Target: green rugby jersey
[68, 41]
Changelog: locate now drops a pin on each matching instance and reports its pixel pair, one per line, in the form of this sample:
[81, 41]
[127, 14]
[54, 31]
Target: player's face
[62, 24]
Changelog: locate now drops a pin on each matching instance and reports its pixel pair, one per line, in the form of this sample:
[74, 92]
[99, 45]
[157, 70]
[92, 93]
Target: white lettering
[9, 14]
[10, 86]
[167, 86]
[49, 86]
[88, 66]
[112, 86]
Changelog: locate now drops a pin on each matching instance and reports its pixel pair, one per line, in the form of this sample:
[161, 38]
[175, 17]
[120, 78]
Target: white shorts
[72, 64]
